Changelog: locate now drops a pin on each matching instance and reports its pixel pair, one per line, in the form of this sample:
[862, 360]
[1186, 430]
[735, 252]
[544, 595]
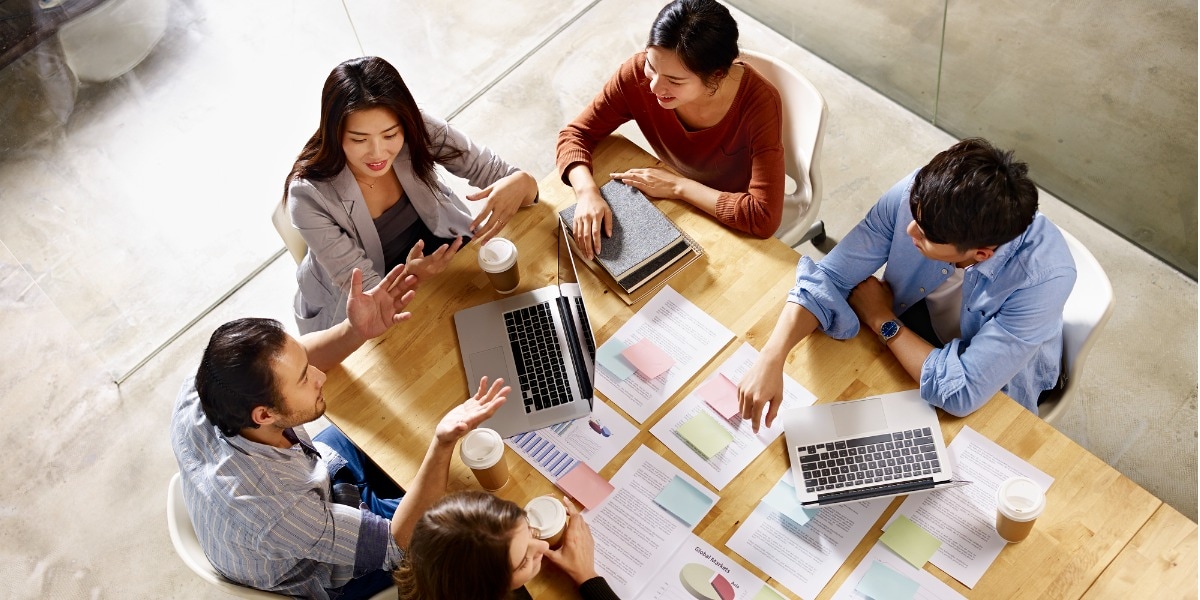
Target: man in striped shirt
[261, 493]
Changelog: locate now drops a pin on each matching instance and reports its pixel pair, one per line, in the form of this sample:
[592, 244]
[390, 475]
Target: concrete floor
[128, 208]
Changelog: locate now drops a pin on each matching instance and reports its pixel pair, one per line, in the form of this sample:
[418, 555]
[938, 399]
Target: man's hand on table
[762, 387]
[472, 412]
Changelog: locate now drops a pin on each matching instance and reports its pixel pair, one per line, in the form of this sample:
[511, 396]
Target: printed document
[677, 327]
[929, 587]
[594, 439]
[698, 571]
[803, 558]
[635, 537]
[746, 445]
[964, 518]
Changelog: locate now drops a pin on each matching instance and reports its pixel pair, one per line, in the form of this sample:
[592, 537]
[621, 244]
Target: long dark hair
[701, 32]
[360, 84]
[460, 549]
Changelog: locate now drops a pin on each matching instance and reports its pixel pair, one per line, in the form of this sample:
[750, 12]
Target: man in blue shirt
[972, 297]
[276, 510]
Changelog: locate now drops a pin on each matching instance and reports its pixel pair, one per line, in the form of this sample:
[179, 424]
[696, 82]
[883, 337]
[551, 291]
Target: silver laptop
[541, 343]
[862, 449]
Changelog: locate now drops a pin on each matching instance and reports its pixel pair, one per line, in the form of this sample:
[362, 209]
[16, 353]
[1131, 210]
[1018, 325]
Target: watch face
[889, 329]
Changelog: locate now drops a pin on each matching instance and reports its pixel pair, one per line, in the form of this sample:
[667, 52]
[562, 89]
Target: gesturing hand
[501, 201]
[372, 313]
[428, 266]
[472, 412]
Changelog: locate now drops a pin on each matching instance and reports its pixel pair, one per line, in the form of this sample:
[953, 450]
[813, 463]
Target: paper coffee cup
[1019, 502]
[482, 450]
[548, 517]
[498, 258]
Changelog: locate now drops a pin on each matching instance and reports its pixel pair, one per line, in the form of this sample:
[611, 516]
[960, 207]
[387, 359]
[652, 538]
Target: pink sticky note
[721, 395]
[648, 359]
[585, 485]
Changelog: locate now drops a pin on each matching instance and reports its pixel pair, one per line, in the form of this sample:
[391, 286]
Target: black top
[399, 228]
[595, 588]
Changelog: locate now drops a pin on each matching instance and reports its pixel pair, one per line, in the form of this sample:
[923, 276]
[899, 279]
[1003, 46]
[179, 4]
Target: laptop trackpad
[858, 417]
[488, 362]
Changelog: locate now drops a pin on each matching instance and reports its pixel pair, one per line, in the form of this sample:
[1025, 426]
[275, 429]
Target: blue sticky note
[609, 357]
[683, 500]
[783, 498]
[882, 583]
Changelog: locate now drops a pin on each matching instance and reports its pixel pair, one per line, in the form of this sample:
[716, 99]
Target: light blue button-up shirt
[265, 515]
[1011, 314]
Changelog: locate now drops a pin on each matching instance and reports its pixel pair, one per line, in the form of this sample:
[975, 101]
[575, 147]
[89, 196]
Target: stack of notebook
[644, 242]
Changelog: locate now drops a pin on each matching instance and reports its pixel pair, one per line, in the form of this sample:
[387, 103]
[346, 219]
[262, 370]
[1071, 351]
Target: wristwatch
[889, 330]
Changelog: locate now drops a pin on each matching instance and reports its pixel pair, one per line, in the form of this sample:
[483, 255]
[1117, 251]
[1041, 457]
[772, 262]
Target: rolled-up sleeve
[964, 375]
[823, 287]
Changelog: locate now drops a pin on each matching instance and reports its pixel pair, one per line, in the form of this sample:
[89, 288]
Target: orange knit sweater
[741, 156]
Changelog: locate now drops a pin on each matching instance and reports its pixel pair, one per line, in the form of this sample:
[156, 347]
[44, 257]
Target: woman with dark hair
[364, 192]
[715, 121]
[475, 545]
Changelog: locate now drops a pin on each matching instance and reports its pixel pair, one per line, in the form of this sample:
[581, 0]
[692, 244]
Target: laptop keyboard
[587, 330]
[538, 357]
[872, 459]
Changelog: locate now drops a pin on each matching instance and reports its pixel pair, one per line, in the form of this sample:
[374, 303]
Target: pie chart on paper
[705, 584]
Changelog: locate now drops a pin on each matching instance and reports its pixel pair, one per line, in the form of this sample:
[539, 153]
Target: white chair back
[1087, 310]
[291, 238]
[804, 115]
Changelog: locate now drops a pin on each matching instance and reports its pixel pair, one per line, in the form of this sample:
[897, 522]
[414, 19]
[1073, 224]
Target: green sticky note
[768, 593]
[704, 434]
[910, 542]
[882, 583]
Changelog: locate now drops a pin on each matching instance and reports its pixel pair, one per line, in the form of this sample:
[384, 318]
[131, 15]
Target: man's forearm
[328, 348]
[425, 489]
[794, 324]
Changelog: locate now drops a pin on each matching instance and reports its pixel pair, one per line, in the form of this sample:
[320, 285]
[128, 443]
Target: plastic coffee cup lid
[497, 255]
[481, 448]
[546, 514]
[1020, 499]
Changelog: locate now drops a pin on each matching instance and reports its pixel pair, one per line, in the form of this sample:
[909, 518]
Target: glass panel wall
[1098, 97]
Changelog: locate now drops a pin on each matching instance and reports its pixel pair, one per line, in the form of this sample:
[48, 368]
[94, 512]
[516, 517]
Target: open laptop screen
[579, 328]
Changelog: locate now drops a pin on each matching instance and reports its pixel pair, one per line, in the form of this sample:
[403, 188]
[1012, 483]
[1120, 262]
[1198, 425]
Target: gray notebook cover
[640, 230]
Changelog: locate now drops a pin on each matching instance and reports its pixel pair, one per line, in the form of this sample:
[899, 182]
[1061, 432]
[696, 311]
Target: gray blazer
[332, 217]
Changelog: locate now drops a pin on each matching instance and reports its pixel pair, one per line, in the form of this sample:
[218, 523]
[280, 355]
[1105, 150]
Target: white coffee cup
[1019, 502]
[482, 450]
[498, 258]
[548, 517]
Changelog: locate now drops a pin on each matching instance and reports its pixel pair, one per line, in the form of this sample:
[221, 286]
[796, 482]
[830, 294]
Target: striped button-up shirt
[265, 515]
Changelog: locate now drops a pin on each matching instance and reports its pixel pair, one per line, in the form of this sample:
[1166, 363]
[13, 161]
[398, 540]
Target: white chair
[183, 536]
[291, 238]
[1087, 310]
[804, 114]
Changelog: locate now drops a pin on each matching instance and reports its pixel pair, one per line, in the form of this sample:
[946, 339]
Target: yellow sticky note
[910, 542]
[704, 434]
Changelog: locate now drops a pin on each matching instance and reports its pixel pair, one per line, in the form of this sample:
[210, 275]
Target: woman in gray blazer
[363, 192]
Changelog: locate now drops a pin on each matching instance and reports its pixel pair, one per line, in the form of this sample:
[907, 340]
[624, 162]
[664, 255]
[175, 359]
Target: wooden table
[388, 396]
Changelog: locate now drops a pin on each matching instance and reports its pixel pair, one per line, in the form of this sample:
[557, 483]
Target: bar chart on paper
[544, 454]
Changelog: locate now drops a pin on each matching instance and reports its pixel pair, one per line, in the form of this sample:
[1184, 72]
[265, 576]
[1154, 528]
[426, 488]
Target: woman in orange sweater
[715, 121]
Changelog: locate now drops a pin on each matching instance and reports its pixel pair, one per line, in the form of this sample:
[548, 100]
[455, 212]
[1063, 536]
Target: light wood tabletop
[388, 396]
